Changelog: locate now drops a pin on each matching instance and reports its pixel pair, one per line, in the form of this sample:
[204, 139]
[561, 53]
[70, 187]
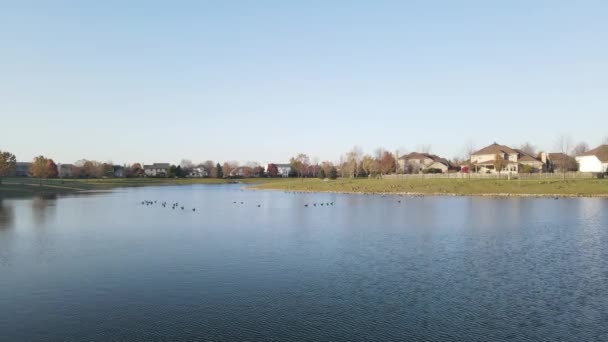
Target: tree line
[354, 163]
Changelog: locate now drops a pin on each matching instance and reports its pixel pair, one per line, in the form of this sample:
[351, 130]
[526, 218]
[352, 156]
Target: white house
[283, 170]
[157, 170]
[198, 172]
[595, 160]
[65, 170]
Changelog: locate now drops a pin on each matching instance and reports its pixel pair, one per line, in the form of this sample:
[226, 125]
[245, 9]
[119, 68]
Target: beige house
[65, 170]
[157, 170]
[416, 162]
[513, 160]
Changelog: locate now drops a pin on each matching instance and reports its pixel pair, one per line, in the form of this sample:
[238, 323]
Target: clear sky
[156, 81]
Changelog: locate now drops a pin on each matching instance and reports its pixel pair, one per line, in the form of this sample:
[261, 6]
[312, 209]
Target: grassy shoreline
[447, 187]
[26, 187]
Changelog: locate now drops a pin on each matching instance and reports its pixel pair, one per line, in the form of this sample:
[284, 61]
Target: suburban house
[198, 172]
[241, 171]
[22, 169]
[558, 162]
[513, 160]
[595, 160]
[157, 170]
[65, 170]
[118, 171]
[283, 170]
[416, 162]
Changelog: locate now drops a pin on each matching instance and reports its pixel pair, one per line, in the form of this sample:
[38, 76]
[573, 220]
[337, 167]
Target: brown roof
[601, 152]
[418, 155]
[557, 155]
[495, 149]
[527, 157]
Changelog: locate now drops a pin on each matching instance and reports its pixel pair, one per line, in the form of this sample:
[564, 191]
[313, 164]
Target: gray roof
[158, 166]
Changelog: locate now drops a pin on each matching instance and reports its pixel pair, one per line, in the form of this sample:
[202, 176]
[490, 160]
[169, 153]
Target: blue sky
[263, 80]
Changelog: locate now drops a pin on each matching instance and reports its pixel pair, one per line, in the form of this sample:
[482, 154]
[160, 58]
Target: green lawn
[578, 187]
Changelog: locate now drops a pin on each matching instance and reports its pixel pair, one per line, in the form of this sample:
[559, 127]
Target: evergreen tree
[220, 172]
[321, 174]
[333, 173]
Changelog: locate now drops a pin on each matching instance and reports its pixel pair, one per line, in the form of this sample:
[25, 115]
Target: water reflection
[366, 268]
[43, 209]
[7, 216]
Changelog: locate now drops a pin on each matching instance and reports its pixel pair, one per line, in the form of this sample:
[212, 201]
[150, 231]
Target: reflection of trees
[42, 208]
[6, 215]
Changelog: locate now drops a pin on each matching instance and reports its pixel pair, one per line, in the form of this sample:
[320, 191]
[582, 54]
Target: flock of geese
[164, 205]
[177, 206]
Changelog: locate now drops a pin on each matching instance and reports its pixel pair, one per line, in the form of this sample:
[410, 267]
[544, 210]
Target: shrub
[432, 170]
[333, 173]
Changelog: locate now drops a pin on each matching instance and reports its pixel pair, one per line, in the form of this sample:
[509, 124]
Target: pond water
[105, 267]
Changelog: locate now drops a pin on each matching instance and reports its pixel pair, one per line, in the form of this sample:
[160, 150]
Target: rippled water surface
[103, 267]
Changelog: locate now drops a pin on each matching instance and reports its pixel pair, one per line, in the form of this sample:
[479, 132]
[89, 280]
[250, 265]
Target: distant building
[558, 162]
[416, 162]
[483, 161]
[22, 169]
[157, 170]
[241, 171]
[595, 160]
[283, 170]
[198, 172]
[119, 171]
[65, 170]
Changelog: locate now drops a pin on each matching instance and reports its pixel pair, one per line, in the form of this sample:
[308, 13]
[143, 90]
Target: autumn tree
[499, 163]
[208, 165]
[563, 144]
[424, 148]
[107, 169]
[300, 163]
[387, 163]
[528, 148]
[326, 166]
[186, 165]
[135, 170]
[8, 163]
[51, 169]
[580, 149]
[258, 171]
[38, 168]
[370, 165]
[229, 166]
[272, 170]
[350, 166]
